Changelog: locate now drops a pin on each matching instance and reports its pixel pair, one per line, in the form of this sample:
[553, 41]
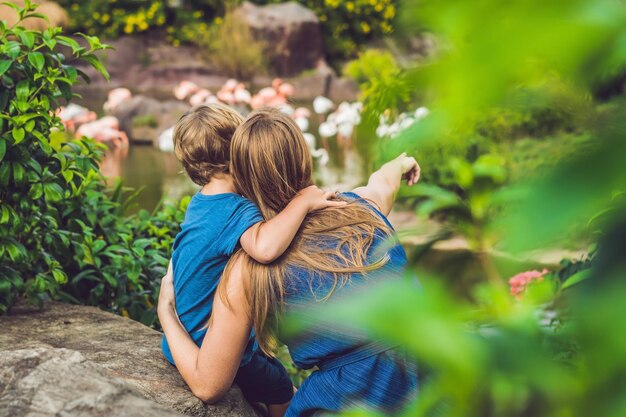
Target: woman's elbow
[266, 255]
[209, 395]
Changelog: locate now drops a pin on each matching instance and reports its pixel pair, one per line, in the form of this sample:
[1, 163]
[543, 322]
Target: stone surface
[291, 31]
[126, 352]
[61, 382]
[165, 113]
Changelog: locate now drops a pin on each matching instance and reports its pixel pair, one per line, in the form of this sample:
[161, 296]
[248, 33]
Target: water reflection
[161, 175]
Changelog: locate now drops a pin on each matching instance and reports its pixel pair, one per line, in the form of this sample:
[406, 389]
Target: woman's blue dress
[354, 371]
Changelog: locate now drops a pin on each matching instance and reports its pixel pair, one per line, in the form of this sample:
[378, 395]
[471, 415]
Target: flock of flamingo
[334, 121]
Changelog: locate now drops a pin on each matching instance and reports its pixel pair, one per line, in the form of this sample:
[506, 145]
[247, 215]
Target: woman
[336, 252]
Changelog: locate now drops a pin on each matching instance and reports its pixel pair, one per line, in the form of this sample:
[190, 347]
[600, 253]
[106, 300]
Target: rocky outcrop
[66, 360]
[292, 32]
[54, 382]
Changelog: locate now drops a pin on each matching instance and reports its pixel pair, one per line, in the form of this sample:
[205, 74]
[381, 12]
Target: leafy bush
[62, 234]
[558, 350]
[232, 48]
[510, 124]
[370, 66]
[183, 20]
[114, 18]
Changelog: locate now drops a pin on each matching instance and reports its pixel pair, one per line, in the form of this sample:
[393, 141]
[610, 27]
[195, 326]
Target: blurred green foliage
[230, 45]
[63, 234]
[373, 70]
[505, 70]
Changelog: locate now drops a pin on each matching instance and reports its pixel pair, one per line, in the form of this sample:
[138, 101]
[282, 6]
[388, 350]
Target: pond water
[160, 175]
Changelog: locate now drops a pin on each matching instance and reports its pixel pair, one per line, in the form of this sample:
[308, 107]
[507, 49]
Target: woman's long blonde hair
[270, 163]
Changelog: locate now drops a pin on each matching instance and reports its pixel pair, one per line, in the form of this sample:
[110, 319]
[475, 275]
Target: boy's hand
[410, 168]
[316, 199]
[166, 293]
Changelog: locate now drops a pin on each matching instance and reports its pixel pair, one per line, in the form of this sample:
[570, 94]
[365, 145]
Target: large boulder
[55, 14]
[60, 382]
[291, 31]
[104, 365]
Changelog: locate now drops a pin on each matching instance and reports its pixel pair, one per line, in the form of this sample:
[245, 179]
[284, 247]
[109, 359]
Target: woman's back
[354, 369]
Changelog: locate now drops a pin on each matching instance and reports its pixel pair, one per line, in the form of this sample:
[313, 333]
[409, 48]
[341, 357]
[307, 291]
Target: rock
[148, 62]
[165, 113]
[126, 352]
[291, 31]
[149, 65]
[61, 382]
[55, 14]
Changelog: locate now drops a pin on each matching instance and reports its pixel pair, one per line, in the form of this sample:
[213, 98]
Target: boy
[217, 221]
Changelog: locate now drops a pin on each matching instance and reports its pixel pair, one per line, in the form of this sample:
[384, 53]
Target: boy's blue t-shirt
[209, 236]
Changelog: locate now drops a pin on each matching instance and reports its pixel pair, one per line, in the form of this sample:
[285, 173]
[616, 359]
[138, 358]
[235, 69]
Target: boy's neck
[219, 184]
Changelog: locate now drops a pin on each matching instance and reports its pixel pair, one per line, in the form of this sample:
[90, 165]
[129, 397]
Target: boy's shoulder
[214, 207]
[216, 221]
[224, 201]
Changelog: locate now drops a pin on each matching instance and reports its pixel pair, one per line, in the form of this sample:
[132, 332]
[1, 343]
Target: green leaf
[134, 272]
[22, 106]
[21, 90]
[11, 5]
[37, 16]
[5, 174]
[35, 192]
[68, 175]
[30, 125]
[37, 60]
[4, 66]
[53, 192]
[59, 276]
[576, 278]
[98, 245]
[13, 49]
[95, 62]
[18, 172]
[72, 74]
[64, 40]
[18, 134]
[49, 42]
[14, 251]
[3, 148]
[28, 38]
[94, 42]
[4, 215]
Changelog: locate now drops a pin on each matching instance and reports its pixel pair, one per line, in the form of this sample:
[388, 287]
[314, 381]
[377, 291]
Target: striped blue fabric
[353, 370]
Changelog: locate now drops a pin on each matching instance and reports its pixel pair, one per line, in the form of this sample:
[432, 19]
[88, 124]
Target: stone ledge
[125, 351]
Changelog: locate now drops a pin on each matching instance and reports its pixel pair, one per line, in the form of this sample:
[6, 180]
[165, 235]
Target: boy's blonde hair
[202, 140]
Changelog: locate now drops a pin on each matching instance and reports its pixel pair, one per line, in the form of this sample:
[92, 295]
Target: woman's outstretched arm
[210, 370]
[383, 185]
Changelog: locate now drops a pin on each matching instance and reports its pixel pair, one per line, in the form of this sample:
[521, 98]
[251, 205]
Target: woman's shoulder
[352, 196]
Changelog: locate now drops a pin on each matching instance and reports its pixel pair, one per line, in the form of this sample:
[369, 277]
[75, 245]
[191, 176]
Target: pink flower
[519, 282]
